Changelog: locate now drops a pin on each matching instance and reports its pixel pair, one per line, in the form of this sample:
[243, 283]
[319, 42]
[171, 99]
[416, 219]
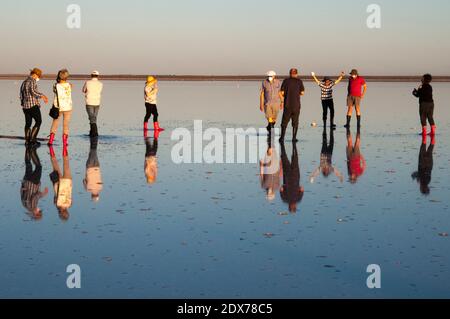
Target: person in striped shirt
[327, 97]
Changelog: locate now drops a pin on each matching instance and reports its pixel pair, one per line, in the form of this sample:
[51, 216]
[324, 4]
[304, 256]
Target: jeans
[66, 115]
[31, 114]
[328, 104]
[426, 111]
[92, 111]
[151, 109]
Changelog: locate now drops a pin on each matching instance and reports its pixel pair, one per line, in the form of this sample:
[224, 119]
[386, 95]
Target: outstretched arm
[315, 78]
[314, 175]
[340, 77]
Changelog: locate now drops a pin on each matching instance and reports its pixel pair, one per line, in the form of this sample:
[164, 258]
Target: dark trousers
[426, 111]
[31, 114]
[328, 104]
[151, 149]
[151, 109]
[290, 114]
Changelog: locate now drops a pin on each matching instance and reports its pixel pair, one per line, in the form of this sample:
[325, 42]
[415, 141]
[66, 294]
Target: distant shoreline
[220, 78]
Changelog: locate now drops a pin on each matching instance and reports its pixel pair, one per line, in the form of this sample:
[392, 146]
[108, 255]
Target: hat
[354, 72]
[96, 73]
[36, 71]
[271, 73]
[151, 79]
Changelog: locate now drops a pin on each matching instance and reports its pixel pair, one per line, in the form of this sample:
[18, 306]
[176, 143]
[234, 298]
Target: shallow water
[208, 230]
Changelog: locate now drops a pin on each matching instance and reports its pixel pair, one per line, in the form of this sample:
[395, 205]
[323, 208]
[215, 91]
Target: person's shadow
[291, 191]
[423, 173]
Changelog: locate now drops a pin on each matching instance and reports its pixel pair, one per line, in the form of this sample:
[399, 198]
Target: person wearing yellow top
[151, 94]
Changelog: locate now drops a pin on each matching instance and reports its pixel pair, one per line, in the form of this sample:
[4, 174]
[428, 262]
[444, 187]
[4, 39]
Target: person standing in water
[63, 101]
[270, 99]
[426, 104]
[291, 91]
[29, 100]
[151, 94]
[357, 88]
[93, 94]
[327, 97]
[30, 193]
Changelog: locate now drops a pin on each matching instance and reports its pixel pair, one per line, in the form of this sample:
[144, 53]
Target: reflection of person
[62, 184]
[151, 159]
[423, 174]
[426, 102]
[291, 192]
[30, 193]
[291, 91]
[270, 172]
[29, 99]
[63, 100]
[326, 158]
[93, 180]
[356, 163]
[326, 87]
[270, 102]
[93, 93]
[357, 88]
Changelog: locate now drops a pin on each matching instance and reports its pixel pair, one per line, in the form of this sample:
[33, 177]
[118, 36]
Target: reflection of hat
[151, 79]
[271, 73]
[96, 73]
[354, 72]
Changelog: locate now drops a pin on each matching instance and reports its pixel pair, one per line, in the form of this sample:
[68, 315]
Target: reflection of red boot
[65, 151]
[145, 126]
[65, 139]
[156, 127]
[52, 151]
[433, 140]
[51, 139]
[156, 134]
[433, 130]
[424, 138]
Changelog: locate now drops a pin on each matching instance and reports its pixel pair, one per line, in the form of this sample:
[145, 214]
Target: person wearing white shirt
[93, 93]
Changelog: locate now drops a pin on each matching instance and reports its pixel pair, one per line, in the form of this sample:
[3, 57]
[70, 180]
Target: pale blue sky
[226, 37]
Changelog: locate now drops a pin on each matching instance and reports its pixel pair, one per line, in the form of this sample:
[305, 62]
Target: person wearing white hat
[270, 100]
[93, 94]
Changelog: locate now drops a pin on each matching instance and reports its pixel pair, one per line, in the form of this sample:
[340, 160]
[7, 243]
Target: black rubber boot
[359, 120]
[283, 134]
[94, 130]
[34, 133]
[27, 136]
[294, 134]
[349, 118]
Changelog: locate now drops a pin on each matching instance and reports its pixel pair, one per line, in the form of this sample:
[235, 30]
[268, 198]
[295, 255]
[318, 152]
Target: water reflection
[30, 192]
[291, 192]
[270, 170]
[93, 180]
[62, 184]
[151, 159]
[356, 163]
[326, 158]
[423, 174]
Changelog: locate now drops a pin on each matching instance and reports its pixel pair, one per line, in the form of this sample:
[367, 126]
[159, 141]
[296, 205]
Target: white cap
[95, 73]
[271, 73]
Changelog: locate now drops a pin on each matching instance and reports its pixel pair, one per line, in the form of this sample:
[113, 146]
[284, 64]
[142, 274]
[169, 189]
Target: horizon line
[173, 77]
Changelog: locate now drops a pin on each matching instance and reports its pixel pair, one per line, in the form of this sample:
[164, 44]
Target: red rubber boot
[156, 127]
[433, 130]
[51, 139]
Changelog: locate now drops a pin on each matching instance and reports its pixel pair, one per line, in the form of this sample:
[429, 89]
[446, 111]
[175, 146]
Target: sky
[233, 37]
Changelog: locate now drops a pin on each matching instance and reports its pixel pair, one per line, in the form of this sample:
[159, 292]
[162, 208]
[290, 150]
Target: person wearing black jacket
[426, 104]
